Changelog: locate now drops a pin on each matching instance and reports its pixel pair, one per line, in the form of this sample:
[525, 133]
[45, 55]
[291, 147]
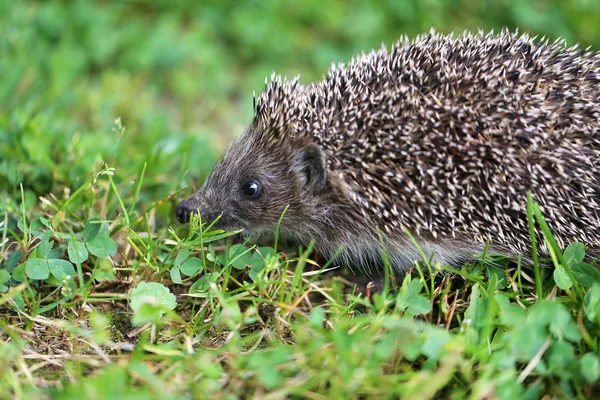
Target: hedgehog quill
[444, 135]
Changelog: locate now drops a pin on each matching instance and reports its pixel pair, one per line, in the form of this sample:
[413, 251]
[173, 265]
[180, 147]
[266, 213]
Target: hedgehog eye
[251, 189]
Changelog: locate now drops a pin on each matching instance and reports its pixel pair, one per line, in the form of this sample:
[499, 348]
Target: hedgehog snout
[197, 205]
[187, 207]
[182, 212]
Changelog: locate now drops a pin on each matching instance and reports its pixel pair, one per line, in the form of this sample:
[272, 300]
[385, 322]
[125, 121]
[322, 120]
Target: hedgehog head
[270, 166]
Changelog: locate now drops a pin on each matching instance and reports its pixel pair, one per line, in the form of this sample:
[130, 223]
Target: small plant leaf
[78, 253]
[317, 317]
[61, 268]
[434, 343]
[561, 323]
[149, 300]
[527, 339]
[104, 271]
[147, 313]
[4, 277]
[410, 298]
[36, 225]
[560, 356]
[92, 228]
[256, 262]
[46, 244]
[511, 314]
[419, 305]
[230, 315]
[216, 258]
[574, 254]
[590, 368]
[561, 278]
[18, 274]
[202, 285]
[586, 274]
[176, 275]
[240, 256]
[499, 274]
[37, 268]
[181, 257]
[153, 293]
[591, 306]
[191, 266]
[477, 310]
[102, 246]
[413, 288]
[269, 377]
[266, 252]
[12, 261]
[257, 265]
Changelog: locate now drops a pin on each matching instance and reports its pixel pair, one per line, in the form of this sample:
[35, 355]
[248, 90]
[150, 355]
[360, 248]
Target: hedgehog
[442, 136]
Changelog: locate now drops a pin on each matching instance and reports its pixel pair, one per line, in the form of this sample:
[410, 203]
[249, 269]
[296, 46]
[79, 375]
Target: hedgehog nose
[182, 213]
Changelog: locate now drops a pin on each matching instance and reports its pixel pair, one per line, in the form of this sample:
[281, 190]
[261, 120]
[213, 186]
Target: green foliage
[111, 112]
[149, 301]
[410, 300]
[45, 263]
[592, 304]
[4, 278]
[113, 383]
[241, 257]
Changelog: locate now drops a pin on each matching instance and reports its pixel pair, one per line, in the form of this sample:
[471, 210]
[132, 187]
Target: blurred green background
[181, 75]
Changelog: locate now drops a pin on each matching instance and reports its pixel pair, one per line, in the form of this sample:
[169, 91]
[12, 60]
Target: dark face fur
[254, 182]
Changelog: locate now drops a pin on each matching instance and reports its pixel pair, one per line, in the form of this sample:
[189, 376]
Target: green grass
[112, 112]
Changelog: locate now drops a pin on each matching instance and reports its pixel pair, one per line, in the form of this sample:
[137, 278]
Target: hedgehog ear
[310, 164]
